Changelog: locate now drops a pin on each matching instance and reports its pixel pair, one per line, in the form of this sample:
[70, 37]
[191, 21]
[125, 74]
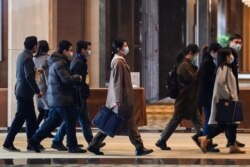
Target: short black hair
[82, 45]
[64, 45]
[30, 42]
[235, 36]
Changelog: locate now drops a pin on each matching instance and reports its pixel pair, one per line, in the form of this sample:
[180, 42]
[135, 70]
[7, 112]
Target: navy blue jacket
[206, 79]
[79, 66]
[26, 85]
[60, 81]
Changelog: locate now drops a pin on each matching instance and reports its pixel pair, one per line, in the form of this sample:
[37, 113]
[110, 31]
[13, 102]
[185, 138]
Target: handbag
[107, 121]
[229, 111]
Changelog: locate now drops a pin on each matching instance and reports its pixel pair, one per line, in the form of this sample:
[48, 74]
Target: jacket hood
[56, 57]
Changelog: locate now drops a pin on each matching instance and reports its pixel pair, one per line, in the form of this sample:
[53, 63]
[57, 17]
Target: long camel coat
[120, 90]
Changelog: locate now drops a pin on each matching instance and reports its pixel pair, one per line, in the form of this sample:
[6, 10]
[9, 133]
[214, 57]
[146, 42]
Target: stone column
[150, 49]
[92, 33]
[202, 24]
[25, 18]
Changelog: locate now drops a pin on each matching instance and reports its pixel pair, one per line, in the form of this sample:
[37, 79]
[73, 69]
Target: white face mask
[235, 47]
[231, 59]
[126, 50]
[88, 52]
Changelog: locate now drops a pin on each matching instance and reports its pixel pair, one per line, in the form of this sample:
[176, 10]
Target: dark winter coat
[79, 66]
[206, 78]
[186, 102]
[60, 81]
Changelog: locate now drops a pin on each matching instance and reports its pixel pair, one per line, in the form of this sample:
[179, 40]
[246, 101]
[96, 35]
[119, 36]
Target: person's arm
[117, 82]
[221, 82]
[65, 75]
[29, 71]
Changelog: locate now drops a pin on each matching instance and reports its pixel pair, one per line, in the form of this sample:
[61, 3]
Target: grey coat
[120, 90]
[41, 63]
[225, 86]
[26, 85]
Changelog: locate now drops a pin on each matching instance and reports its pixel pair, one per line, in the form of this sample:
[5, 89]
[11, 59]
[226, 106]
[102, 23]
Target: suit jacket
[26, 85]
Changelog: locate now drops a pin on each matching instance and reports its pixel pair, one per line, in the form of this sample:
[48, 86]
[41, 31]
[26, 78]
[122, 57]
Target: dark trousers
[83, 117]
[25, 112]
[207, 112]
[175, 121]
[231, 130]
[132, 133]
[56, 115]
[43, 114]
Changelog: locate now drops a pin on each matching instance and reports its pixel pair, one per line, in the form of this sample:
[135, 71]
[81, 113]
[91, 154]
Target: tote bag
[107, 121]
[229, 111]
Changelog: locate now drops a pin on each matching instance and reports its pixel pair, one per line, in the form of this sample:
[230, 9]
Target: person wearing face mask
[60, 99]
[235, 43]
[78, 66]
[120, 97]
[225, 87]
[186, 106]
[206, 78]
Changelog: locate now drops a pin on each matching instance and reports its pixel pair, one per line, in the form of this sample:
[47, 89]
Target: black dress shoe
[162, 145]
[77, 150]
[40, 147]
[211, 149]
[237, 143]
[34, 146]
[143, 151]
[94, 150]
[59, 147]
[11, 148]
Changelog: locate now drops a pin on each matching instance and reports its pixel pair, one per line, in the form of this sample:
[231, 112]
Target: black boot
[143, 151]
[162, 145]
[96, 143]
[196, 136]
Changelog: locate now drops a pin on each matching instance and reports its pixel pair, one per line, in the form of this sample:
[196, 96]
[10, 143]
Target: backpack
[172, 86]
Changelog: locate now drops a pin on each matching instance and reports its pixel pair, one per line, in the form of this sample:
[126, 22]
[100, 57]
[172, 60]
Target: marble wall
[25, 18]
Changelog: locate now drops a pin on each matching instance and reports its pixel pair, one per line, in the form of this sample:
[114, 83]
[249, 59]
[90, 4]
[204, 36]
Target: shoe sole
[11, 150]
[146, 153]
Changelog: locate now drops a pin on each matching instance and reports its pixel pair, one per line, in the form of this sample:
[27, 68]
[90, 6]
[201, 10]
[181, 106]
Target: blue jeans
[83, 117]
[56, 115]
[207, 112]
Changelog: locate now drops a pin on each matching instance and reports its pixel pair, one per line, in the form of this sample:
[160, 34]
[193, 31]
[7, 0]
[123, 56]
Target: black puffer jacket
[60, 81]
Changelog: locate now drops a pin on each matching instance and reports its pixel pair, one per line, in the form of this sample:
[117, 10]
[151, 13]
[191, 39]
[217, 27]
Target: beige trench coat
[224, 87]
[120, 90]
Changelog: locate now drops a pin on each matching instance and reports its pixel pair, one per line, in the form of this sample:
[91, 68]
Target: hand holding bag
[228, 111]
[107, 121]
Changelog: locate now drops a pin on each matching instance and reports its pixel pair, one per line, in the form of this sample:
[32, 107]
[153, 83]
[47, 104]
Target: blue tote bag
[107, 121]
